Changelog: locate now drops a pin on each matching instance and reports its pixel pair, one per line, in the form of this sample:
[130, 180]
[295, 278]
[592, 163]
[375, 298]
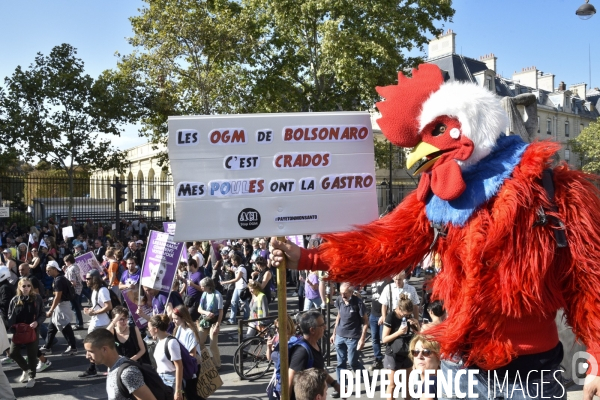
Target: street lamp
[586, 11]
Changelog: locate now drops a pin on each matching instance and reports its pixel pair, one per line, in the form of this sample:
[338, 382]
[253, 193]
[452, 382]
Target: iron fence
[40, 195]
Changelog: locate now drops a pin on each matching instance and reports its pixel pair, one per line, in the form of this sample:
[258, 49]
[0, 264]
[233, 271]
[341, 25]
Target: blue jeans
[376, 335]
[235, 303]
[347, 349]
[489, 386]
[168, 378]
[76, 306]
[309, 303]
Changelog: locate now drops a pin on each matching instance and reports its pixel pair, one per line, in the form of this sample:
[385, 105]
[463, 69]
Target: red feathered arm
[377, 250]
[579, 200]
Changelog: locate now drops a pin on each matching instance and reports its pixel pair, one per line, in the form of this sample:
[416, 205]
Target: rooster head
[449, 126]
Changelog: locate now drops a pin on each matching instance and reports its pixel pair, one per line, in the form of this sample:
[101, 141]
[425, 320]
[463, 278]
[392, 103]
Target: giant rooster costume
[482, 207]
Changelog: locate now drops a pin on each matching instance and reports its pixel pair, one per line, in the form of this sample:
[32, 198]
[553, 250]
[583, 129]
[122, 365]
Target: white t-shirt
[396, 292]
[162, 362]
[188, 339]
[243, 282]
[98, 303]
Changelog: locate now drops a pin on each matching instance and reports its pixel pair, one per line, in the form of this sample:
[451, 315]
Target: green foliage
[587, 147]
[247, 56]
[383, 150]
[20, 218]
[53, 111]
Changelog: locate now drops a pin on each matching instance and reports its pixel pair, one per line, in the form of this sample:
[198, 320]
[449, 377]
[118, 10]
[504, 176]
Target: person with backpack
[274, 386]
[170, 369]
[305, 353]
[137, 381]
[98, 312]
[186, 332]
[73, 274]
[60, 312]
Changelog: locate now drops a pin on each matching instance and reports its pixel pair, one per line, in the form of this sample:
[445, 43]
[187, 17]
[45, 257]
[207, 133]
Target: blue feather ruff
[483, 180]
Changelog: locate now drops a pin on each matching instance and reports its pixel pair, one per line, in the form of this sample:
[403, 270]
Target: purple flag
[87, 262]
[160, 262]
[131, 299]
[169, 227]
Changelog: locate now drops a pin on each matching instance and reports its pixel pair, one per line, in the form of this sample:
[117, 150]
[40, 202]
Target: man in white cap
[60, 311]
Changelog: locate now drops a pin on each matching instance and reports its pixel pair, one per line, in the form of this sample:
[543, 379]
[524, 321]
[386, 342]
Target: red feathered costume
[503, 276]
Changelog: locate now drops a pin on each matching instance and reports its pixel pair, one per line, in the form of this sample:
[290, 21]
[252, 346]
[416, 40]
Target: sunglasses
[417, 353]
[26, 286]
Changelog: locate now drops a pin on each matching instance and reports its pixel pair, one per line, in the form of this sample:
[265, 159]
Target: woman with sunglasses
[27, 307]
[398, 329]
[127, 337]
[425, 354]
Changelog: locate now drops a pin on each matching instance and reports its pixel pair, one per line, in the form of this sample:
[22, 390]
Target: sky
[524, 33]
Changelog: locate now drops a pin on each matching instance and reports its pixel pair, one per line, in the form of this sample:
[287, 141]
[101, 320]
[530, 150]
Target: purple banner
[131, 299]
[169, 227]
[87, 262]
[160, 262]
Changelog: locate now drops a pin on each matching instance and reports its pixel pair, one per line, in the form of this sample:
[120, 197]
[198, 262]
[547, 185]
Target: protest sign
[87, 262]
[209, 380]
[169, 227]
[67, 232]
[298, 240]
[160, 262]
[131, 300]
[271, 174]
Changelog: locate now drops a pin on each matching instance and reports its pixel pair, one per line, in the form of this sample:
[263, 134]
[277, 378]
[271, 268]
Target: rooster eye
[439, 130]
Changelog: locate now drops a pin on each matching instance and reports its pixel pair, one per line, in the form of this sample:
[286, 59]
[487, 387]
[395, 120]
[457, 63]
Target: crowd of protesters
[41, 287]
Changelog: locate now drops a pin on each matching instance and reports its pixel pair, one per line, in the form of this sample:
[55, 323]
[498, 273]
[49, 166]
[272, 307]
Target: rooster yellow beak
[419, 152]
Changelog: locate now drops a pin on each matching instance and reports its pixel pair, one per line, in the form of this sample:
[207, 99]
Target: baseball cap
[53, 264]
[225, 250]
[139, 242]
[93, 272]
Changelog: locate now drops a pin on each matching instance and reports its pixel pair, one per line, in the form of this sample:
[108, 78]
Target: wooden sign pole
[283, 334]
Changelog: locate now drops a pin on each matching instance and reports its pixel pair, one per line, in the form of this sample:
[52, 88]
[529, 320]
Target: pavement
[60, 381]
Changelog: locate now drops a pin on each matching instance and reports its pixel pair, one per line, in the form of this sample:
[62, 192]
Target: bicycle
[250, 359]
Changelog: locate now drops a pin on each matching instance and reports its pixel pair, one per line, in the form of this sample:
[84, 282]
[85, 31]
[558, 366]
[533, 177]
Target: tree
[587, 147]
[55, 112]
[219, 56]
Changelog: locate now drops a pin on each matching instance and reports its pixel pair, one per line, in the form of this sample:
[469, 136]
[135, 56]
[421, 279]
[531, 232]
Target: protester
[170, 370]
[425, 354]
[36, 270]
[27, 309]
[7, 292]
[99, 250]
[259, 308]
[350, 330]
[193, 289]
[312, 326]
[311, 384]
[25, 272]
[131, 276]
[60, 311]
[263, 277]
[187, 333]
[6, 391]
[437, 314]
[391, 294]
[98, 312]
[311, 291]
[112, 271]
[211, 311]
[273, 355]
[73, 274]
[398, 331]
[376, 322]
[101, 349]
[241, 282]
[128, 337]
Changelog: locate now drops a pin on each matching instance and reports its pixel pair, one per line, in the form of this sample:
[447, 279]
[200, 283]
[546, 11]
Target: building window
[567, 155]
[581, 128]
[567, 129]
[489, 84]
[549, 130]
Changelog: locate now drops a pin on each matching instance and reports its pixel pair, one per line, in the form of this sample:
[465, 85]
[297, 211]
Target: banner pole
[283, 334]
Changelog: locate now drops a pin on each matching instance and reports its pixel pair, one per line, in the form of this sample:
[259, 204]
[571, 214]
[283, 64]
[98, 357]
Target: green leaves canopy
[587, 146]
[219, 56]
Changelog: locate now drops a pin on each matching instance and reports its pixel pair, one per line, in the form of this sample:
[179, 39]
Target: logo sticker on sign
[249, 219]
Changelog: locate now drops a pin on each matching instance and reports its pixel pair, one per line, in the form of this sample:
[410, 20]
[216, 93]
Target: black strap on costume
[557, 225]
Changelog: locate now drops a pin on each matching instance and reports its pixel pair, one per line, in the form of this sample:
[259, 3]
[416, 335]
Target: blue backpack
[190, 365]
[293, 342]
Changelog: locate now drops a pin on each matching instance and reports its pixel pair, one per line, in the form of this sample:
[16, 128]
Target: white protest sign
[271, 174]
[67, 232]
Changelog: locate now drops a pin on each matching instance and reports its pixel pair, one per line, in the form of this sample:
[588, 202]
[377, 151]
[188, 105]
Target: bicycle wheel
[250, 359]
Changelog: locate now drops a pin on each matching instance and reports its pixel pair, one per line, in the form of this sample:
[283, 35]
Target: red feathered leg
[381, 248]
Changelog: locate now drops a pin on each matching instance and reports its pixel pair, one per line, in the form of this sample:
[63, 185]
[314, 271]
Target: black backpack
[151, 379]
[69, 294]
[114, 301]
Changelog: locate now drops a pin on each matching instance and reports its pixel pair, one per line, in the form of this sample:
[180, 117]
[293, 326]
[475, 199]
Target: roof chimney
[443, 45]
[490, 61]
[562, 86]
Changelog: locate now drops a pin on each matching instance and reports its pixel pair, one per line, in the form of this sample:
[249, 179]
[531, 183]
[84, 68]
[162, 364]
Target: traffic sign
[146, 208]
[146, 201]
[4, 212]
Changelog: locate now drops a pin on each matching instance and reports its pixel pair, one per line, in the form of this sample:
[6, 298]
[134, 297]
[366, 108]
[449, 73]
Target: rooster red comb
[403, 103]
